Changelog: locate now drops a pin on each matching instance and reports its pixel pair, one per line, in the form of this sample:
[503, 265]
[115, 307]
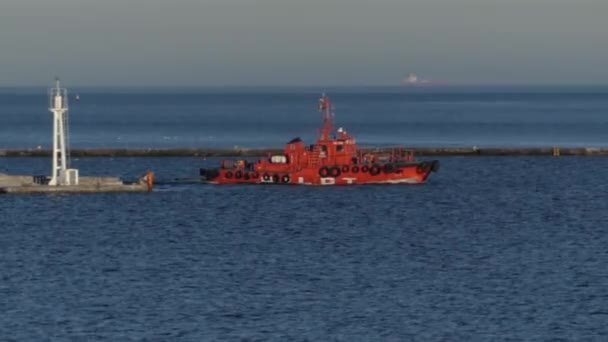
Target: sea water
[489, 249]
[224, 118]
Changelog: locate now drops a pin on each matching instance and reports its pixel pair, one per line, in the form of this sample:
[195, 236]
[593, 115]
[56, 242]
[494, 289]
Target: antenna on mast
[325, 108]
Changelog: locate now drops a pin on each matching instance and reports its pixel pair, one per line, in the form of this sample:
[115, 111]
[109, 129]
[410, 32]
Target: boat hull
[405, 173]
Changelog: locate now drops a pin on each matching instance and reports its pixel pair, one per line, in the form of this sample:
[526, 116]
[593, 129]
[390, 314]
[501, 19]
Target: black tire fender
[324, 171]
[374, 170]
[389, 168]
[435, 166]
[421, 168]
[335, 171]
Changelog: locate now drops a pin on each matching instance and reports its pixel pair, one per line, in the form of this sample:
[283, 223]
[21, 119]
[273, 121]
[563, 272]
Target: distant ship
[413, 80]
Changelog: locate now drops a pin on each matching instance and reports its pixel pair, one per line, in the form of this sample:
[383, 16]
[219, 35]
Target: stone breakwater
[24, 184]
[215, 152]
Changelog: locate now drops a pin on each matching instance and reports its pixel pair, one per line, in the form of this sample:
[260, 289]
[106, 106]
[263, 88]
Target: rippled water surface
[451, 116]
[489, 249]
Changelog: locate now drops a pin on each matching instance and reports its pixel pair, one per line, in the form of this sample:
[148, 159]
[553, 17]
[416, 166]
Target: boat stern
[209, 174]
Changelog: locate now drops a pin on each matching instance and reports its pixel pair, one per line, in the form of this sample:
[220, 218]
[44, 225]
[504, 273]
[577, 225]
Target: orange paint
[330, 161]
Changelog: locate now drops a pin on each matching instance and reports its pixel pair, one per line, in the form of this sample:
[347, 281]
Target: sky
[302, 42]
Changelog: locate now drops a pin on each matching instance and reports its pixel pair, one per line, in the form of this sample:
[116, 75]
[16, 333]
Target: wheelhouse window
[323, 152]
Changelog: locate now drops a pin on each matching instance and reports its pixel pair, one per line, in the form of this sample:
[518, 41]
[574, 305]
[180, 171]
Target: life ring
[228, 174]
[335, 171]
[345, 168]
[275, 178]
[285, 179]
[266, 177]
[324, 172]
[355, 169]
[246, 176]
[389, 168]
[374, 170]
[238, 174]
[364, 168]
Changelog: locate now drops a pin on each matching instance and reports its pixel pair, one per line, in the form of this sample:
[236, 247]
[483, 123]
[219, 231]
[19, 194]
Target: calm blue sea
[450, 116]
[489, 249]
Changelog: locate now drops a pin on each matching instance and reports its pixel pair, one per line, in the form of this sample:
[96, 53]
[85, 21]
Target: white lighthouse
[61, 174]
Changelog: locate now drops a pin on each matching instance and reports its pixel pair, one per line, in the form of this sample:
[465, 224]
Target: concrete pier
[18, 184]
[63, 178]
[215, 152]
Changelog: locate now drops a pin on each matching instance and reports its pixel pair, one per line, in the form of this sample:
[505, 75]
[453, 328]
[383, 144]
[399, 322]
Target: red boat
[330, 161]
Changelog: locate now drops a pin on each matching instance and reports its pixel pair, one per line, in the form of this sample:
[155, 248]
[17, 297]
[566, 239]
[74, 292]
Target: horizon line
[401, 86]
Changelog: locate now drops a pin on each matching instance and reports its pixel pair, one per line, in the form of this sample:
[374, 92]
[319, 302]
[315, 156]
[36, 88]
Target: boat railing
[385, 155]
[229, 164]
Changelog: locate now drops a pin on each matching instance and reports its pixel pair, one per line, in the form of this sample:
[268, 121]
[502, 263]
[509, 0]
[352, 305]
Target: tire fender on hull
[435, 166]
[389, 168]
[324, 172]
[335, 172]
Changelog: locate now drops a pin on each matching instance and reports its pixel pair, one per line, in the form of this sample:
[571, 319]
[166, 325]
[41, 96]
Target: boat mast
[325, 109]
